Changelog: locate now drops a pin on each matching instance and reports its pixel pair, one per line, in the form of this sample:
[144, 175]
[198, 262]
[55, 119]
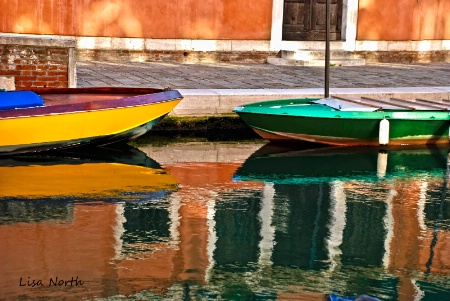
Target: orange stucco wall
[403, 20]
[160, 19]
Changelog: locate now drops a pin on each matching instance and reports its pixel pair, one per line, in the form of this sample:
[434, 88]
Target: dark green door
[305, 20]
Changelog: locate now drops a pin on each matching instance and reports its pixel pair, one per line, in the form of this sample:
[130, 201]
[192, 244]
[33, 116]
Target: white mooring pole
[383, 136]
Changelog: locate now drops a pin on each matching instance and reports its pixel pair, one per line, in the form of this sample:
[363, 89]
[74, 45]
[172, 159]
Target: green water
[243, 222]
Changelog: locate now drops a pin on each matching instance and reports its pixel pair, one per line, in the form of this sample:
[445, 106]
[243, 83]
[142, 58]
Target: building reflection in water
[286, 225]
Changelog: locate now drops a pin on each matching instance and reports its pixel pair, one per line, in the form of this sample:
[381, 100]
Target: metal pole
[327, 51]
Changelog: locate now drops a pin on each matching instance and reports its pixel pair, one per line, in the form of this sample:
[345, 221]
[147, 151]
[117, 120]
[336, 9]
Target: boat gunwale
[263, 108]
[137, 97]
[431, 105]
[87, 111]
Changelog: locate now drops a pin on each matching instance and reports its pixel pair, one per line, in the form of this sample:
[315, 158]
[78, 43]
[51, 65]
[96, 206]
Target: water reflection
[370, 221]
[69, 221]
[283, 225]
[102, 173]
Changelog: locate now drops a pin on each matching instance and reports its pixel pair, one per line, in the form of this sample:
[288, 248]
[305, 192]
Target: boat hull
[279, 121]
[77, 124]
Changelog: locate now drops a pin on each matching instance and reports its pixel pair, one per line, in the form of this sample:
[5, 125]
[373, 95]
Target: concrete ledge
[38, 40]
[425, 45]
[110, 43]
[217, 102]
[7, 82]
[201, 152]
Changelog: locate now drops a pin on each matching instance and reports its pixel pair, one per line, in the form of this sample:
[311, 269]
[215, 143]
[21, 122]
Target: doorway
[305, 20]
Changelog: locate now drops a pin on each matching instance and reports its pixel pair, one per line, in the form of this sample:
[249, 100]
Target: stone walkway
[258, 76]
[216, 89]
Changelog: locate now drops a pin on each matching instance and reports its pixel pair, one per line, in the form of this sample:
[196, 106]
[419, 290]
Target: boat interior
[394, 103]
[45, 101]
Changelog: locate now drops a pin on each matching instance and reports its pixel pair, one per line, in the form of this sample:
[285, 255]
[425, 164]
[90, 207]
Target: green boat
[350, 122]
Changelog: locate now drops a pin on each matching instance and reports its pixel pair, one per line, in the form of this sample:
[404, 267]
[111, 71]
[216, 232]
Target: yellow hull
[78, 125]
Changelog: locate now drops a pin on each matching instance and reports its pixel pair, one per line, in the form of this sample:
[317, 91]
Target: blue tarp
[19, 99]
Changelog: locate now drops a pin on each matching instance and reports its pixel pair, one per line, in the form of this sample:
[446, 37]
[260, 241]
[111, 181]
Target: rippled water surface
[225, 221]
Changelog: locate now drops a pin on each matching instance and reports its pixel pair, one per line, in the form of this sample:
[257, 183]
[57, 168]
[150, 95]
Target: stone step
[315, 58]
[334, 62]
[309, 55]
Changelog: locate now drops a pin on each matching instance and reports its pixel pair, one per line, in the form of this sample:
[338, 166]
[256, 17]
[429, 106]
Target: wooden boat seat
[397, 104]
[345, 104]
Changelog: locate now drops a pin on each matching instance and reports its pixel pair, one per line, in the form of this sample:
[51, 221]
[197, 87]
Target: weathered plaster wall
[403, 20]
[156, 19]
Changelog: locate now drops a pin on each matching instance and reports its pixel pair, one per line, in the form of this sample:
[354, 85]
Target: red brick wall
[35, 66]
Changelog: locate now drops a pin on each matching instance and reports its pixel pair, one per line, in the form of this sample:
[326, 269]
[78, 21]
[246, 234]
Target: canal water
[225, 221]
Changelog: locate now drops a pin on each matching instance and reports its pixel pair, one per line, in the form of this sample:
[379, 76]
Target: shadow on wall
[111, 16]
[98, 18]
[403, 20]
[188, 19]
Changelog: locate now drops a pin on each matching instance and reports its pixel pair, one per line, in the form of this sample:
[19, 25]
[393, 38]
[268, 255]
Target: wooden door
[305, 20]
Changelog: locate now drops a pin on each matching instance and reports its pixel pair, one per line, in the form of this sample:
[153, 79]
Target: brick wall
[404, 57]
[37, 62]
[35, 67]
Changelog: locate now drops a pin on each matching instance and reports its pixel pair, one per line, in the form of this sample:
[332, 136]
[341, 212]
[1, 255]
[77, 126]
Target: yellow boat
[44, 119]
[94, 173]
